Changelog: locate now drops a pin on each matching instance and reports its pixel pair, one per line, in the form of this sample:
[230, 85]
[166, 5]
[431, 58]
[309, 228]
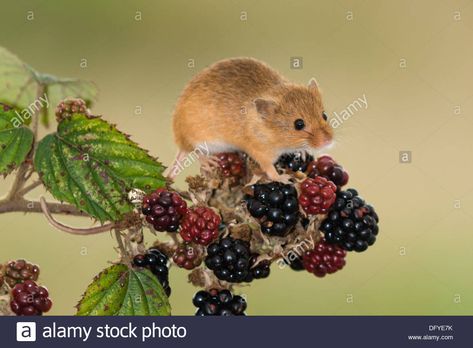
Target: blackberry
[317, 195]
[157, 263]
[19, 271]
[276, 207]
[230, 260]
[294, 162]
[351, 223]
[70, 106]
[218, 302]
[327, 167]
[200, 225]
[295, 262]
[232, 165]
[324, 259]
[164, 210]
[30, 299]
[188, 256]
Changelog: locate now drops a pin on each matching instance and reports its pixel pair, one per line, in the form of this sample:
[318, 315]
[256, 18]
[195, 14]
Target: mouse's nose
[327, 141]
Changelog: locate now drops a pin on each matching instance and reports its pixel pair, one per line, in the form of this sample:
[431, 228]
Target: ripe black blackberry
[276, 207]
[157, 263]
[231, 260]
[294, 162]
[351, 223]
[164, 210]
[215, 302]
[294, 261]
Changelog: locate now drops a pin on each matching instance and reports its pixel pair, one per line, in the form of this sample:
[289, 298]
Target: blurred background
[412, 61]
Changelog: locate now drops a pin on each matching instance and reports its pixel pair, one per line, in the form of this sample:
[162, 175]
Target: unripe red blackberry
[317, 195]
[30, 299]
[200, 225]
[188, 256]
[324, 259]
[327, 167]
[232, 165]
[20, 270]
[164, 210]
[218, 302]
[70, 106]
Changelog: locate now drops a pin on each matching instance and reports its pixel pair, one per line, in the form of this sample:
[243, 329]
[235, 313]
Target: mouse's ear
[313, 84]
[265, 107]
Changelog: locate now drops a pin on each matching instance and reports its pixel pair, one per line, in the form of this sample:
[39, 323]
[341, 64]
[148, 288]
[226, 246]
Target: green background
[412, 60]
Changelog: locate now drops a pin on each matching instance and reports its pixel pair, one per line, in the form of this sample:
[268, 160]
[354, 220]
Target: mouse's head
[296, 116]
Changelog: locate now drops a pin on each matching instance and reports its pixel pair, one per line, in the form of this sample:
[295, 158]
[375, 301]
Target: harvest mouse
[242, 104]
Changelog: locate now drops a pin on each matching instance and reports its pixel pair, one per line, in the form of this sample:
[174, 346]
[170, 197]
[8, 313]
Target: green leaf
[92, 165]
[119, 290]
[15, 141]
[20, 84]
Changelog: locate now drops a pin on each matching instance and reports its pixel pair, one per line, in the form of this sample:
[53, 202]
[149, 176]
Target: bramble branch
[68, 229]
[25, 206]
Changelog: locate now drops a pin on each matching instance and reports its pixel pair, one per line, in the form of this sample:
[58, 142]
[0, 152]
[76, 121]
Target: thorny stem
[29, 188]
[121, 246]
[25, 206]
[72, 230]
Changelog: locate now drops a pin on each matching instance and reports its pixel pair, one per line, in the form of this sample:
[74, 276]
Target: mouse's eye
[299, 124]
[324, 115]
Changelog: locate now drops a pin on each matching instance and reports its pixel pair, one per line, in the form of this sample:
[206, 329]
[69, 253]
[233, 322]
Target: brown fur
[245, 105]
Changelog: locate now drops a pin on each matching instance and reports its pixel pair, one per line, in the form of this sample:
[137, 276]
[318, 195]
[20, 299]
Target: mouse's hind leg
[176, 168]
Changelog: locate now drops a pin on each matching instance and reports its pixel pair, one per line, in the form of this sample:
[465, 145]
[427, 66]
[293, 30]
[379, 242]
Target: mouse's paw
[209, 163]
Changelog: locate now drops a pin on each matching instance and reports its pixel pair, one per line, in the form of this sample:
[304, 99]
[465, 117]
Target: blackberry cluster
[294, 162]
[30, 299]
[230, 260]
[68, 107]
[188, 256]
[327, 167]
[324, 259]
[232, 165]
[351, 223]
[200, 225]
[215, 302]
[157, 263]
[164, 210]
[19, 271]
[276, 207]
[317, 195]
